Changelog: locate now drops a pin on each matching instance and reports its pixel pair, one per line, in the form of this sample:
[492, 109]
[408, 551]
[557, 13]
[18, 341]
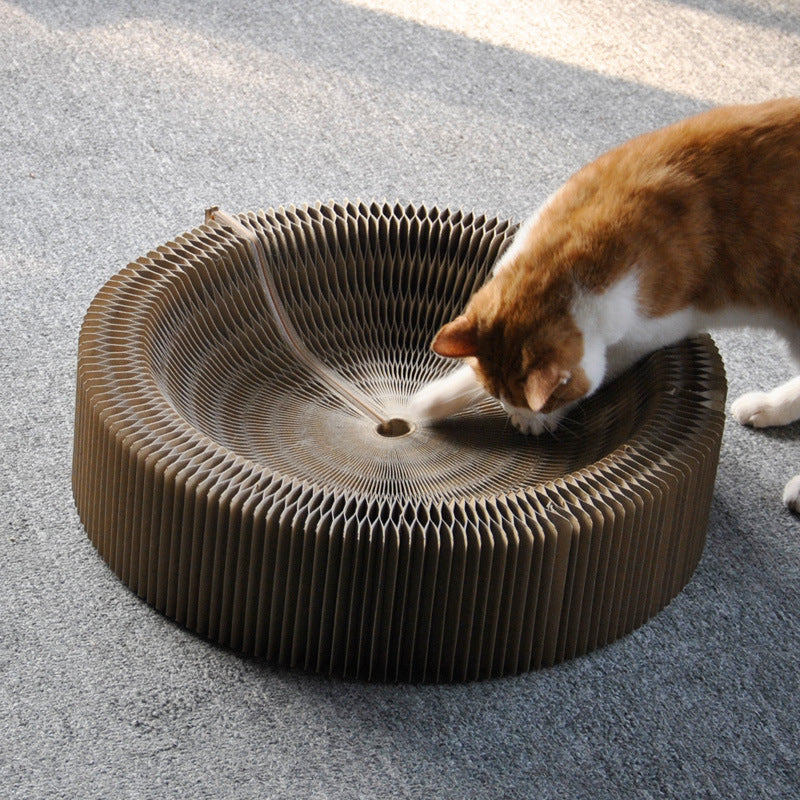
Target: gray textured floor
[121, 122]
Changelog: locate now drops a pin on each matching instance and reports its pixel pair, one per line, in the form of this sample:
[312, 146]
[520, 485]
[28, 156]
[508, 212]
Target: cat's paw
[532, 422]
[429, 404]
[758, 410]
[791, 494]
[445, 396]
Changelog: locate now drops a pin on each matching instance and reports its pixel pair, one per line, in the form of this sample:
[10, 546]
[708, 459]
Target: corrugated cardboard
[230, 485]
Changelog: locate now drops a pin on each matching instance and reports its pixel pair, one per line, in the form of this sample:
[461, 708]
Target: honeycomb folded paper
[242, 495]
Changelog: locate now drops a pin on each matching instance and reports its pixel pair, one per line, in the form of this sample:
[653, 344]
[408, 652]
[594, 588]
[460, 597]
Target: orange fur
[707, 211]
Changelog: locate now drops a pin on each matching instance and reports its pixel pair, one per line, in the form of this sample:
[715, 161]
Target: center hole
[395, 427]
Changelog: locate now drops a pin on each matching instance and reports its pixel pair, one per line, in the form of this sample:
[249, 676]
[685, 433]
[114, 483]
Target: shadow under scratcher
[242, 459]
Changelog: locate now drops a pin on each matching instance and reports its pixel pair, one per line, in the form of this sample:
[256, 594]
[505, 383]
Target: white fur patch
[608, 316]
[454, 392]
[608, 322]
[617, 334]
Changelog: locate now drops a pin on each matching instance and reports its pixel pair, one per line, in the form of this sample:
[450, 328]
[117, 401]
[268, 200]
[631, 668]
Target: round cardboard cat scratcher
[242, 460]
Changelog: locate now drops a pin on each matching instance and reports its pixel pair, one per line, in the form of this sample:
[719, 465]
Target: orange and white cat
[690, 227]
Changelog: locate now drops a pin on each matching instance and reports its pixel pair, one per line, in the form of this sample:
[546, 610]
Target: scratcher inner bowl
[370, 315]
[231, 487]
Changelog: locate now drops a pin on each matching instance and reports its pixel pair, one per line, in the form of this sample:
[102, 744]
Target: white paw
[757, 409]
[791, 494]
[445, 396]
[532, 422]
[430, 403]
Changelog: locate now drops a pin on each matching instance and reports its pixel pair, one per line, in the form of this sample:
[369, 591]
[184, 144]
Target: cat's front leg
[448, 395]
[780, 406]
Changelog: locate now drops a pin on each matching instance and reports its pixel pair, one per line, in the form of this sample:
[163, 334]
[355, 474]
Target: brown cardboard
[223, 477]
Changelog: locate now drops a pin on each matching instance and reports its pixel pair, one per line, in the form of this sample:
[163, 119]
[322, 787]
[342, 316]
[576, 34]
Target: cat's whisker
[571, 426]
[569, 422]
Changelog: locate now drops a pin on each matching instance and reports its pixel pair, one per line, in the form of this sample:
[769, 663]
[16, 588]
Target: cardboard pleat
[235, 491]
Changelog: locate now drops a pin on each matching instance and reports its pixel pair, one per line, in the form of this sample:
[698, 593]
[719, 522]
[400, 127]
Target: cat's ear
[457, 339]
[541, 383]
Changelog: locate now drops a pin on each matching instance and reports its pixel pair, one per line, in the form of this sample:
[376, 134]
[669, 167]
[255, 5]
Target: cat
[690, 227]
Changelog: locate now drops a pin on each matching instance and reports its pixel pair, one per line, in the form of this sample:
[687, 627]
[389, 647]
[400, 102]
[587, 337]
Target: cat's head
[524, 345]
